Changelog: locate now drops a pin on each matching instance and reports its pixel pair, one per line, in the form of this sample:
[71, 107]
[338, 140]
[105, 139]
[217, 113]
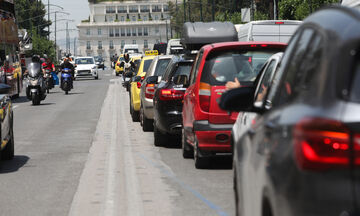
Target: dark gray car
[301, 155]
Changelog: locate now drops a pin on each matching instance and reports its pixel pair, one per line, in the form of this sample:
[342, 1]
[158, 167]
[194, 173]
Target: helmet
[45, 56]
[67, 55]
[35, 58]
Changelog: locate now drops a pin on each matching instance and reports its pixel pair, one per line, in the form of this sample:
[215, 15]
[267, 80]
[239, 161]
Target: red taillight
[171, 94]
[253, 45]
[204, 96]
[263, 45]
[321, 144]
[279, 23]
[357, 149]
[149, 91]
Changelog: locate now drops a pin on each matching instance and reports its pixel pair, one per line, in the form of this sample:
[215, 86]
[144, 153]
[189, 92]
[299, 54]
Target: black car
[6, 129]
[301, 154]
[168, 99]
[99, 61]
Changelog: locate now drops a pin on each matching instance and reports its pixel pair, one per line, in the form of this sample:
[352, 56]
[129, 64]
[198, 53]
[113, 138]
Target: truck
[268, 30]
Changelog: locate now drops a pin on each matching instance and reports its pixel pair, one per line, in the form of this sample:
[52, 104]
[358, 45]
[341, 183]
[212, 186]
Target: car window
[146, 65]
[241, 64]
[84, 61]
[292, 74]
[355, 90]
[161, 66]
[183, 68]
[265, 82]
[168, 70]
[195, 69]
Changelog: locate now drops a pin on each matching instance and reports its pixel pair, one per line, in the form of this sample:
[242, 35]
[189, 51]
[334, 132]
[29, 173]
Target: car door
[5, 118]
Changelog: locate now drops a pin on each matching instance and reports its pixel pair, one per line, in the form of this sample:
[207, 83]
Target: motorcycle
[49, 80]
[35, 86]
[127, 74]
[66, 80]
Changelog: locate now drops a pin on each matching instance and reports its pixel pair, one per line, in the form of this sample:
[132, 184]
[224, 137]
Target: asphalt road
[80, 154]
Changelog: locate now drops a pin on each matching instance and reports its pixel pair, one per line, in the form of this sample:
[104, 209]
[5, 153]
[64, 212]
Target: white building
[114, 24]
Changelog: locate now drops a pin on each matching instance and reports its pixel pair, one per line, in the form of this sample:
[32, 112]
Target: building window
[111, 32]
[134, 41]
[157, 41]
[156, 17]
[88, 45]
[121, 9]
[146, 33]
[140, 31]
[122, 32]
[133, 18]
[166, 8]
[156, 29]
[133, 31]
[110, 9]
[122, 44]
[99, 31]
[156, 8]
[99, 44]
[117, 32]
[88, 31]
[144, 8]
[133, 9]
[145, 18]
[128, 32]
[122, 19]
[146, 45]
[111, 45]
[110, 18]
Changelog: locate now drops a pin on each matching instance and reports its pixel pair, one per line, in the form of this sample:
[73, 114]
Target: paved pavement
[80, 154]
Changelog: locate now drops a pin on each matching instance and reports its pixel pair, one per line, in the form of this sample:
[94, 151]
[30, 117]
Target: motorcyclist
[114, 60]
[48, 65]
[67, 64]
[127, 60]
[34, 59]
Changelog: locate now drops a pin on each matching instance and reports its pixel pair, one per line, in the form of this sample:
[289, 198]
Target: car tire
[147, 124]
[159, 138]
[201, 162]
[116, 74]
[135, 116]
[8, 151]
[187, 149]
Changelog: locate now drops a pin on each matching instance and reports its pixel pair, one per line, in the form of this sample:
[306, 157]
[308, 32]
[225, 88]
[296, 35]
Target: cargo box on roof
[195, 35]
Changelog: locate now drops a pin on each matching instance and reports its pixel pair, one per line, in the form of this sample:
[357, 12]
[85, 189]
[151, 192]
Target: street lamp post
[56, 57]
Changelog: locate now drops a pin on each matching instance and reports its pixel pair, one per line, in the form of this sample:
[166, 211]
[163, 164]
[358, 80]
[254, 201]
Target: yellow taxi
[136, 84]
[118, 69]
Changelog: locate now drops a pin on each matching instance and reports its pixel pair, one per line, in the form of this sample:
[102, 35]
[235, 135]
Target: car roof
[84, 57]
[148, 57]
[238, 44]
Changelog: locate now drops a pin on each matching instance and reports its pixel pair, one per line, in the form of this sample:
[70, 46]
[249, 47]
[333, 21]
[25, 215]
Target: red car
[207, 128]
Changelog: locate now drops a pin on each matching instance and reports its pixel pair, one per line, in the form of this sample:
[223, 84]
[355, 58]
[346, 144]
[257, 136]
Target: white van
[174, 47]
[351, 3]
[131, 48]
[268, 30]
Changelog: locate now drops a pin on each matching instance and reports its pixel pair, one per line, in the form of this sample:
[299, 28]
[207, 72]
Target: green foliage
[41, 46]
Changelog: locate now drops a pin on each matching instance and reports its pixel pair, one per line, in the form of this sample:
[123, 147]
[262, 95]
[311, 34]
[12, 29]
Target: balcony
[145, 10]
[88, 48]
[110, 11]
[122, 11]
[133, 10]
[156, 10]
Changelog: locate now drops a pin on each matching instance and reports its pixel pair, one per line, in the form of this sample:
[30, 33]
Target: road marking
[14, 107]
[218, 210]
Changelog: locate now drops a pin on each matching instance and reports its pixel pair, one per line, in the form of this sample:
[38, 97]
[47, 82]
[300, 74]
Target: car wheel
[201, 162]
[97, 77]
[147, 124]
[187, 149]
[135, 116]
[8, 151]
[159, 138]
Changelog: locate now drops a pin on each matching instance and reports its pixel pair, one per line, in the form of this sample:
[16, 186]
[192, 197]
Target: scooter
[66, 80]
[127, 74]
[49, 80]
[35, 85]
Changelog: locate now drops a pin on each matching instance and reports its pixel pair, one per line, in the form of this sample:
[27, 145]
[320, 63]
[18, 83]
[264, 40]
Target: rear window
[355, 91]
[147, 64]
[183, 69]
[226, 66]
[161, 67]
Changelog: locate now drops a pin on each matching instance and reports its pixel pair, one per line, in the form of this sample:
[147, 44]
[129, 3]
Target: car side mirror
[239, 99]
[152, 80]
[4, 89]
[136, 79]
[181, 80]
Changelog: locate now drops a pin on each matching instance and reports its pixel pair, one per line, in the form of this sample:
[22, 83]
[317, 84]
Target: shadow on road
[13, 165]
[75, 93]
[86, 79]
[46, 104]
[21, 99]
[221, 162]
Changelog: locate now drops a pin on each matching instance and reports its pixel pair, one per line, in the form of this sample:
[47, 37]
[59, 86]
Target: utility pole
[56, 54]
[201, 12]
[67, 38]
[184, 4]
[275, 10]
[167, 32]
[213, 10]
[48, 19]
[74, 46]
[189, 5]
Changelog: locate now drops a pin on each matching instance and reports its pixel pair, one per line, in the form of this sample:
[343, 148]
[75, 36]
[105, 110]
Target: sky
[78, 9]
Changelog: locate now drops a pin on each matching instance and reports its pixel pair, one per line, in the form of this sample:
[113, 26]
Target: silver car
[157, 68]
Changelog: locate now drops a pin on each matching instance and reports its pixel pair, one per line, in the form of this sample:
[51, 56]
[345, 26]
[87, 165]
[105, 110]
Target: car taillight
[204, 96]
[321, 144]
[149, 91]
[171, 94]
[357, 149]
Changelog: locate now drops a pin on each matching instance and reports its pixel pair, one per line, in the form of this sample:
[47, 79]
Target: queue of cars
[290, 124]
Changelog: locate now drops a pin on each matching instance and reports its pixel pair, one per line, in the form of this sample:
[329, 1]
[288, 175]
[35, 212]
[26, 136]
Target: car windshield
[147, 64]
[97, 58]
[161, 66]
[226, 66]
[131, 51]
[84, 61]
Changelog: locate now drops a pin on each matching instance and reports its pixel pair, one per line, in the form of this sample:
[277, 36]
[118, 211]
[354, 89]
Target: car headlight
[94, 67]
